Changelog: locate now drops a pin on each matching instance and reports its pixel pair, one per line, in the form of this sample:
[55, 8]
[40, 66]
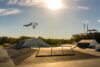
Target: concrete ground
[82, 58]
[5, 60]
[79, 63]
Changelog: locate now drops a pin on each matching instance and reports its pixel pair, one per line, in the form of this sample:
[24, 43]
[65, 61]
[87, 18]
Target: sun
[53, 4]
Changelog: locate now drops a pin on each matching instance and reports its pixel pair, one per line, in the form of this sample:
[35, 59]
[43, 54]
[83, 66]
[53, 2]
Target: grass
[1, 45]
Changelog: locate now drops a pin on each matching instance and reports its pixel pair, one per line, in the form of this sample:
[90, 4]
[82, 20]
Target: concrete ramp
[54, 51]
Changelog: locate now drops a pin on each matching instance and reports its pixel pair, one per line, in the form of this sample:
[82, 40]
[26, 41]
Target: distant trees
[54, 42]
[95, 36]
[78, 37]
[7, 40]
[24, 37]
[12, 40]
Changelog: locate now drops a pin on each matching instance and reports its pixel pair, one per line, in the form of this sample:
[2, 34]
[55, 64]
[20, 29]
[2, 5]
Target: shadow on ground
[19, 56]
[4, 59]
[50, 59]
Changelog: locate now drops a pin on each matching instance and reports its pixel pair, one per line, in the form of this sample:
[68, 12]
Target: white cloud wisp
[10, 11]
[83, 7]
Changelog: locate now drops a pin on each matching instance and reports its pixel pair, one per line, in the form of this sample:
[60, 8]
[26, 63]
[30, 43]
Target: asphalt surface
[5, 60]
[81, 58]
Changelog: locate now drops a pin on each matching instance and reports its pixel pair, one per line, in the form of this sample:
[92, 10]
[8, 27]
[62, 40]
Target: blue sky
[61, 23]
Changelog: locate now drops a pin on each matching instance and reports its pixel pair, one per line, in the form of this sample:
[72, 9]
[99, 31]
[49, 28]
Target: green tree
[24, 37]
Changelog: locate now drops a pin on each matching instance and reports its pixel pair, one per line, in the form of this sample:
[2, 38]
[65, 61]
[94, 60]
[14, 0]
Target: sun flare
[53, 4]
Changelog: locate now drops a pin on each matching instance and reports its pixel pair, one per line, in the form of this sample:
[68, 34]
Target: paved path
[77, 62]
[83, 58]
[80, 63]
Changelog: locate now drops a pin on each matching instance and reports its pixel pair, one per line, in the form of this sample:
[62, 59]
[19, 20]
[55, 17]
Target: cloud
[11, 11]
[2, 10]
[37, 3]
[98, 20]
[26, 2]
[77, 0]
[80, 0]
[83, 7]
[12, 2]
[42, 3]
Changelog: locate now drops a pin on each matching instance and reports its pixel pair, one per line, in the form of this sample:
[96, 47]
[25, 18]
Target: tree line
[53, 42]
[12, 40]
[78, 37]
